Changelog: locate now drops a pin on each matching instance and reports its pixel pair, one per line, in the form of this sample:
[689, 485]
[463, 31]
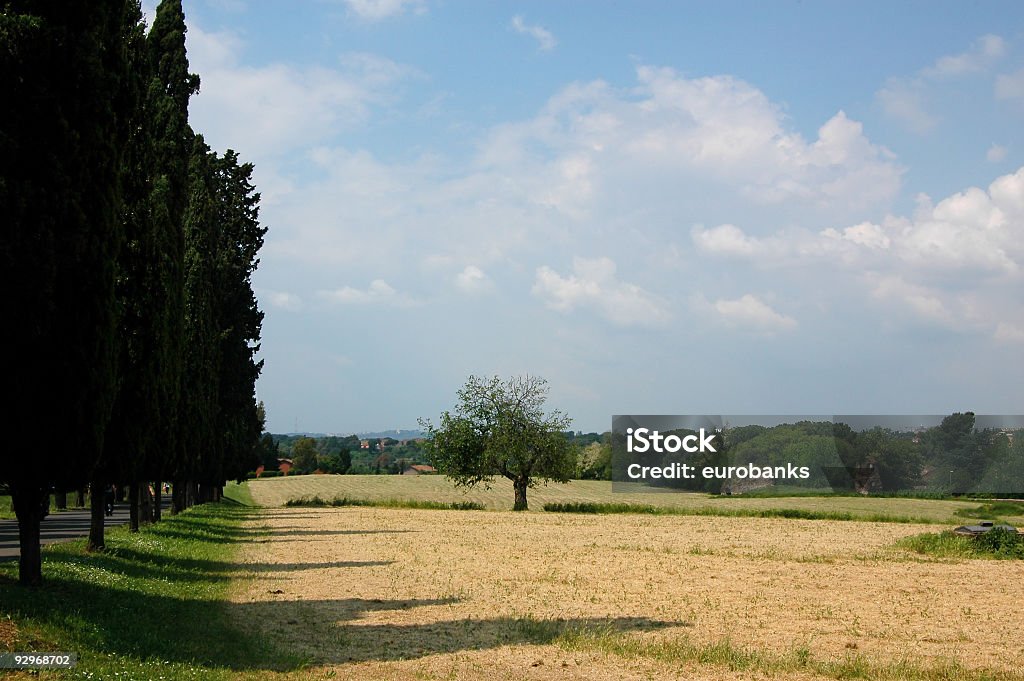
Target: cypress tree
[62, 69]
[170, 88]
[128, 442]
[199, 448]
[239, 318]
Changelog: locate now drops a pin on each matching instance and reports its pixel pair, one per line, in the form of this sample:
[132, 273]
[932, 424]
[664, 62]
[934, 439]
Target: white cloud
[909, 99]
[282, 300]
[995, 153]
[956, 263]
[868, 235]
[926, 303]
[791, 246]
[379, 293]
[376, 10]
[545, 40]
[472, 279]
[596, 163]
[1007, 332]
[905, 100]
[971, 229]
[274, 109]
[1010, 85]
[594, 285]
[591, 156]
[668, 128]
[750, 312]
[725, 240]
[974, 229]
[983, 54]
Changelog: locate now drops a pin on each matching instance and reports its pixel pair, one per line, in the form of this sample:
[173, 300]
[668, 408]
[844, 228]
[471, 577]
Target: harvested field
[276, 491]
[412, 594]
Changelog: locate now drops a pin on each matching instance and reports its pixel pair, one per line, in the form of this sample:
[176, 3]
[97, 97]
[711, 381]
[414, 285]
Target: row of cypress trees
[126, 258]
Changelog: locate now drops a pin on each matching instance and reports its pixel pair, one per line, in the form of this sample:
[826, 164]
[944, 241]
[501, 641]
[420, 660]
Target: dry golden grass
[276, 491]
[411, 594]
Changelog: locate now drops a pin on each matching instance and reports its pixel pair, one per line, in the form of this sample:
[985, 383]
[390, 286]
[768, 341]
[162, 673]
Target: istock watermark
[643, 439]
[957, 453]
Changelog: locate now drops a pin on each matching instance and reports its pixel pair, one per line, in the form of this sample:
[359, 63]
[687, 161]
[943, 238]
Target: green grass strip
[795, 513]
[994, 510]
[239, 494]
[153, 605]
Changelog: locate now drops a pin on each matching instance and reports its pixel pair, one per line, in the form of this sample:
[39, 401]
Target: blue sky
[659, 207]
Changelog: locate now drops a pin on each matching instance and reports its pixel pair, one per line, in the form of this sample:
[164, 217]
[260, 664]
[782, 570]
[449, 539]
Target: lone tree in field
[500, 428]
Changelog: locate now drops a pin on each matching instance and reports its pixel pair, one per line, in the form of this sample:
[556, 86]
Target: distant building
[419, 469]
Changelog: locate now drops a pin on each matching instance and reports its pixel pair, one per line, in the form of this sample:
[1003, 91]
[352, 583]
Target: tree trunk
[61, 501]
[145, 504]
[158, 500]
[133, 507]
[178, 497]
[80, 498]
[191, 493]
[520, 484]
[28, 507]
[97, 508]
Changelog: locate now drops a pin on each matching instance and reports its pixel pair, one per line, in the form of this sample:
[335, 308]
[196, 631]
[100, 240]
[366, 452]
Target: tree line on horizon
[127, 253]
[345, 454]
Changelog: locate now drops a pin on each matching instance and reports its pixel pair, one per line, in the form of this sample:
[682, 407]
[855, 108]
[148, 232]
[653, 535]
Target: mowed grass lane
[275, 492]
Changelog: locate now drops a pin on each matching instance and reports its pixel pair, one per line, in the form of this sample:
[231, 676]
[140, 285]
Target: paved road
[59, 526]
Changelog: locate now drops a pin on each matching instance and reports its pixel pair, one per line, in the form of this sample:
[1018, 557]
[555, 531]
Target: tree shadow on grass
[227, 534]
[330, 632]
[139, 563]
[271, 515]
[107, 619]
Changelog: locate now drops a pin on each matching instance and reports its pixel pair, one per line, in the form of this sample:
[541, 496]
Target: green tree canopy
[500, 428]
[304, 455]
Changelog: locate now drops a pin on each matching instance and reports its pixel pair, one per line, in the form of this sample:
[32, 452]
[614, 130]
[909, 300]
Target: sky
[659, 207]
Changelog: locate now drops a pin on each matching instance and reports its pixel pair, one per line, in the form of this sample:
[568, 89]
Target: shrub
[1001, 543]
[997, 544]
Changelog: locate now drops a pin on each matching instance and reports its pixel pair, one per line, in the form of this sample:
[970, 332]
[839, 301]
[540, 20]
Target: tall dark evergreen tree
[170, 88]
[238, 317]
[129, 442]
[199, 446]
[62, 70]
